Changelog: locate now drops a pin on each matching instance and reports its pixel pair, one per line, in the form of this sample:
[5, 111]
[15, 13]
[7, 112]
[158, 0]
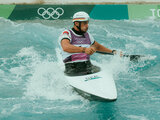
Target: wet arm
[101, 48]
[67, 47]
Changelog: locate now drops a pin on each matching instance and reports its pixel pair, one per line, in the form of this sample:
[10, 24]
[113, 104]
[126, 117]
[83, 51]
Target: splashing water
[32, 84]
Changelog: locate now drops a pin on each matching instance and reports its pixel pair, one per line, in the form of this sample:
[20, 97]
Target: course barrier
[99, 12]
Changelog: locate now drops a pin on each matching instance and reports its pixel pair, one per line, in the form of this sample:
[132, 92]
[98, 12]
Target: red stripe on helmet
[66, 32]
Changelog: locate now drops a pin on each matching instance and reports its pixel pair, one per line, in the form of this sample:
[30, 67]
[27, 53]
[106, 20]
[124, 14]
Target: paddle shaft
[132, 57]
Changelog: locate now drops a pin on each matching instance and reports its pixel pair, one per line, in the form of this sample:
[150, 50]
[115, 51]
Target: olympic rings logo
[50, 12]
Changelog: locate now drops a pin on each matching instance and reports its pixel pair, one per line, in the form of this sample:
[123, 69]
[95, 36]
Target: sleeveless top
[85, 40]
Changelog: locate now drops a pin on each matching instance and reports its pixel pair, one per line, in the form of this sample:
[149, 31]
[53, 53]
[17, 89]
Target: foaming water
[32, 81]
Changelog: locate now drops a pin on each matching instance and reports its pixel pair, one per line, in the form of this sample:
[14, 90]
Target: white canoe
[99, 84]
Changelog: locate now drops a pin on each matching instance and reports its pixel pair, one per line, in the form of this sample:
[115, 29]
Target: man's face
[84, 25]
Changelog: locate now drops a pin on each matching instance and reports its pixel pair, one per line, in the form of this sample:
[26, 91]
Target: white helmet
[80, 16]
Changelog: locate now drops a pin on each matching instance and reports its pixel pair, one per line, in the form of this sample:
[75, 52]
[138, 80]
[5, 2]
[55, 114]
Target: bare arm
[101, 48]
[67, 47]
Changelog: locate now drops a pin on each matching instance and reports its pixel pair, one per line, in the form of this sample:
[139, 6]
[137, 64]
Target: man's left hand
[90, 50]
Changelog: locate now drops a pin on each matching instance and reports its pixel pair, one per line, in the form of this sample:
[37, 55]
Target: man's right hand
[90, 50]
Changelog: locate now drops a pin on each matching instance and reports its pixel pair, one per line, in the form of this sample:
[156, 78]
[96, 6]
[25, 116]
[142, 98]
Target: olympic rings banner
[100, 12]
[46, 12]
[50, 13]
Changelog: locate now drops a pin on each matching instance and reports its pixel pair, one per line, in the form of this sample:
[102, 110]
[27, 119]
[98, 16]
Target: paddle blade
[134, 58]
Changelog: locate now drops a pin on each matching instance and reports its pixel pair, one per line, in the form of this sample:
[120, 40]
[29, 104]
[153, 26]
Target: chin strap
[79, 28]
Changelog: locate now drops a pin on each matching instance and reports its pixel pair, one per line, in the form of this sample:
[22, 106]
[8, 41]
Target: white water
[32, 83]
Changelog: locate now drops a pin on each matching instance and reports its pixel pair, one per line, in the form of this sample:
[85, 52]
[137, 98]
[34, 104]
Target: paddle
[132, 57]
